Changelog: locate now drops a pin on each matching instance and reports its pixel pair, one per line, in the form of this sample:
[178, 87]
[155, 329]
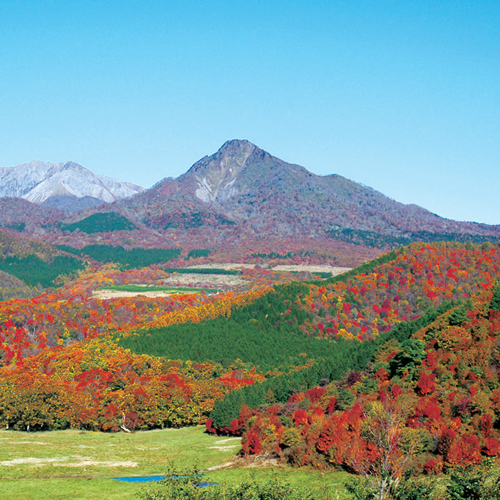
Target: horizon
[231, 140]
[400, 97]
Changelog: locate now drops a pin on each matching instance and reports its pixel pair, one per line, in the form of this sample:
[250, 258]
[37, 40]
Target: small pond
[148, 479]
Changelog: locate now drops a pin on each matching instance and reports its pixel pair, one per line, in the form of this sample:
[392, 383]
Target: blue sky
[402, 96]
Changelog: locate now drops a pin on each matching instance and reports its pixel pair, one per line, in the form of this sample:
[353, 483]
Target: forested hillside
[242, 190]
[35, 263]
[107, 222]
[97, 385]
[13, 288]
[130, 258]
[432, 397]
[242, 201]
[380, 240]
[348, 356]
[360, 304]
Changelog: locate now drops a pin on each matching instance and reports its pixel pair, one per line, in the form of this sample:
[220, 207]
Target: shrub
[406, 489]
[179, 486]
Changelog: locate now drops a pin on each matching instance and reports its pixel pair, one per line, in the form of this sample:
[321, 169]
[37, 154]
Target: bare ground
[312, 269]
[247, 462]
[114, 294]
[195, 279]
[228, 266]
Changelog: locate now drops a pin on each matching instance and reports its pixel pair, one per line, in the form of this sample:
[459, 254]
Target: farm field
[146, 290]
[77, 464]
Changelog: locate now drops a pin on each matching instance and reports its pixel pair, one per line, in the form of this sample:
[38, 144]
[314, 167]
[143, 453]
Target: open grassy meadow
[76, 464]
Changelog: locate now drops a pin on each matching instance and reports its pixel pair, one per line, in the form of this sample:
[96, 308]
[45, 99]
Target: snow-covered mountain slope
[46, 183]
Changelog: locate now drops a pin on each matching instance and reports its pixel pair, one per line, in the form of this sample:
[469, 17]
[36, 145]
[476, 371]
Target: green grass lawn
[75, 464]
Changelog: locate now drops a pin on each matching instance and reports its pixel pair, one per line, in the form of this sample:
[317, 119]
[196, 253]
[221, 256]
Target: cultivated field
[208, 281]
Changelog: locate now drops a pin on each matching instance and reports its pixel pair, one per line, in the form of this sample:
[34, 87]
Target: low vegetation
[81, 464]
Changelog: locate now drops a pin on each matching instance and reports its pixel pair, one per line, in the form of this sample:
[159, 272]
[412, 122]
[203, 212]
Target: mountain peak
[234, 154]
[216, 175]
[236, 145]
[40, 181]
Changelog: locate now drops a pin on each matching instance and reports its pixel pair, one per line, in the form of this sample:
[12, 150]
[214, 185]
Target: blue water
[148, 479]
[139, 479]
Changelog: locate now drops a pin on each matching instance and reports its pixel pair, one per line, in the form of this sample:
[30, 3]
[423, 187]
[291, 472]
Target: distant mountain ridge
[66, 185]
[240, 196]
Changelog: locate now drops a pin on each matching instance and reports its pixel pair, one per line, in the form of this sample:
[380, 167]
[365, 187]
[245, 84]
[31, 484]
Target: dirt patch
[228, 266]
[197, 279]
[63, 462]
[220, 441]
[227, 465]
[312, 269]
[32, 461]
[217, 281]
[224, 448]
[247, 462]
[263, 462]
[114, 294]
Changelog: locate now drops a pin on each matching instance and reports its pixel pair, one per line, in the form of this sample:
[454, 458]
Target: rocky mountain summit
[62, 185]
[224, 175]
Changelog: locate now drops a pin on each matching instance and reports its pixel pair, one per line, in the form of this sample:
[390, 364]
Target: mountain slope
[239, 201]
[16, 213]
[62, 185]
[439, 384]
[33, 263]
[244, 186]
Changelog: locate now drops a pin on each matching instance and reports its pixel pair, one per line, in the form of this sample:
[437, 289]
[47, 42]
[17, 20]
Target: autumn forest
[388, 370]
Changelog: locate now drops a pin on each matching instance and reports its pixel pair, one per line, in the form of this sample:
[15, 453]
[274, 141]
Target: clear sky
[402, 96]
